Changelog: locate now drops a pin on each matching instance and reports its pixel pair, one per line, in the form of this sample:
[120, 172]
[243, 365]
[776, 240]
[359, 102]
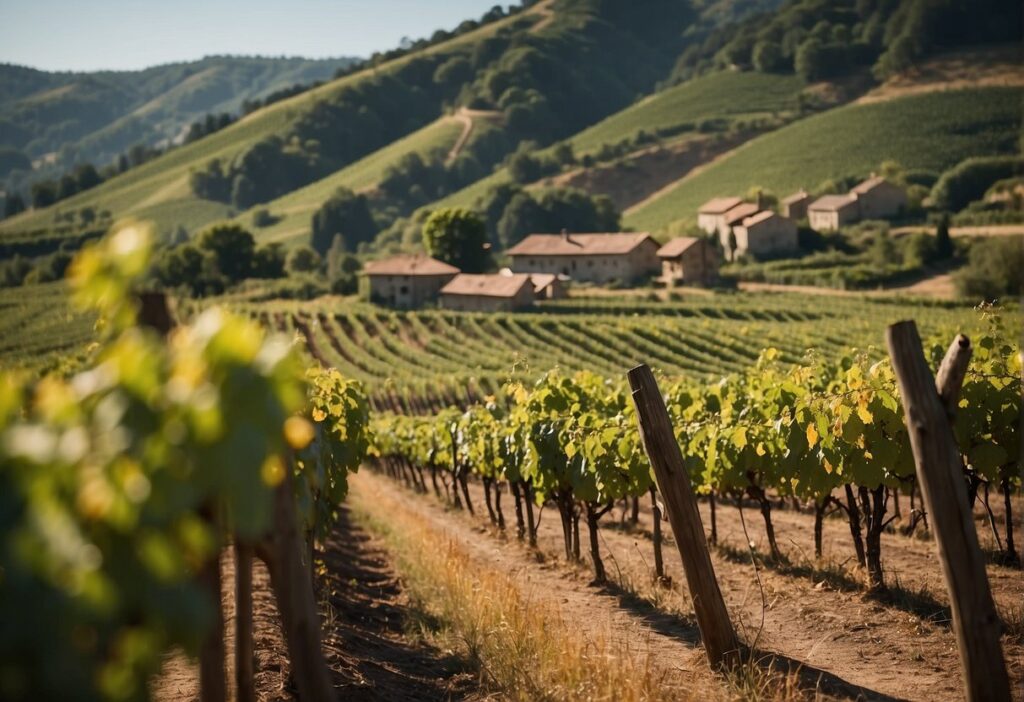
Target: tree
[44, 194]
[13, 204]
[457, 236]
[344, 214]
[943, 243]
[767, 56]
[303, 259]
[521, 216]
[995, 268]
[87, 177]
[809, 57]
[232, 248]
[524, 168]
[269, 261]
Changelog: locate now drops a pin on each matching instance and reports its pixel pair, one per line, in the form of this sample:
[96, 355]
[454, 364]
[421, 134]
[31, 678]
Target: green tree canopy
[344, 214]
[232, 248]
[457, 236]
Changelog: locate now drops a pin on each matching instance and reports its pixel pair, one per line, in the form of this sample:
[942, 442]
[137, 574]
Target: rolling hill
[95, 116]
[930, 131]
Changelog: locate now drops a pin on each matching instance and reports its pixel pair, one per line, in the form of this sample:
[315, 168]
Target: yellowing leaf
[812, 436]
[865, 414]
[272, 471]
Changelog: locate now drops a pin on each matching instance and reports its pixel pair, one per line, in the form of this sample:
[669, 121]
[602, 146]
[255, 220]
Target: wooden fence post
[928, 410]
[716, 630]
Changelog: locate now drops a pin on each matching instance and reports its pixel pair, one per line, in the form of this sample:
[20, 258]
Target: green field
[932, 131]
[728, 96]
[295, 209]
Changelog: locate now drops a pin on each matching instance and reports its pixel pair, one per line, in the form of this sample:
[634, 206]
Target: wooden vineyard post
[716, 630]
[245, 689]
[928, 408]
[283, 550]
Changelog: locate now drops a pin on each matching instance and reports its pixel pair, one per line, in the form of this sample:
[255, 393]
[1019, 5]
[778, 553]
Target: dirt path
[363, 615]
[465, 116]
[859, 645]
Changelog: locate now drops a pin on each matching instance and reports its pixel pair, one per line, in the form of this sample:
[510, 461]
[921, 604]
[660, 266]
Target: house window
[404, 290]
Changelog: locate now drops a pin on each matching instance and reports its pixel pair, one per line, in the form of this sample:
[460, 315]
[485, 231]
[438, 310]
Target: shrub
[995, 268]
[968, 180]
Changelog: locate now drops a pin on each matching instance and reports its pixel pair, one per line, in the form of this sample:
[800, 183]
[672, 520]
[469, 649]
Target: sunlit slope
[160, 188]
[727, 96]
[931, 131]
[294, 210]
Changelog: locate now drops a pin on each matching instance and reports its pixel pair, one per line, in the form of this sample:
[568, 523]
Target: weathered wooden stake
[716, 630]
[283, 551]
[244, 685]
[929, 405]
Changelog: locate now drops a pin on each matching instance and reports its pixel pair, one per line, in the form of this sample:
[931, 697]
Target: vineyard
[163, 463]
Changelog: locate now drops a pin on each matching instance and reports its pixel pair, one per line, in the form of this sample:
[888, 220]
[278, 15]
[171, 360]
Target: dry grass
[521, 648]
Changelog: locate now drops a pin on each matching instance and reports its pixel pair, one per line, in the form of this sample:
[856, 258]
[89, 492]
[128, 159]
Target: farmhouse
[407, 281]
[711, 215]
[795, 206]
[765, 233]
[599, 258]
[688, 260]
[878, 198]
[830, 212]
[488, 293]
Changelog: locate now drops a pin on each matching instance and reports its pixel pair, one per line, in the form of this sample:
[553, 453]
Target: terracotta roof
[758, 218]
[831, 203]
[868, 185]
[408, 264]
[795, 197]
[488, 285]
[578, 244]
[719, 205]
[677, 246]
[740, 212]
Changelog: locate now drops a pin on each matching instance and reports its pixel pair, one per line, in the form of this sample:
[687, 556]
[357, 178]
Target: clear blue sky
[84, 35]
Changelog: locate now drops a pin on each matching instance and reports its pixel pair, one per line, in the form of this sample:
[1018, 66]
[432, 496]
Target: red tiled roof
[740, 212]
[867, 185]
[578, 244]
[489, 285]
[832, 203]
[758, 218]
[542, 280]
[719, 205]
[677, 246]
[409, 264]
[795, 197]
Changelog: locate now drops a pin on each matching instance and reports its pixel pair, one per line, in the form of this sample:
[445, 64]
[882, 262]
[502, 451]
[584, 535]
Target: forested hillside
[507, 113]
[74, 117]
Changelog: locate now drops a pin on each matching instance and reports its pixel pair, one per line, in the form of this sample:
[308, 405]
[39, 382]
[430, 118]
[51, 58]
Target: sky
[87, 35]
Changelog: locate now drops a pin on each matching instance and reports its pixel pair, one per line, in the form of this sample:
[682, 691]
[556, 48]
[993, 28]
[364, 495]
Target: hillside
[930, 131]
[547, 84]
[95, 116]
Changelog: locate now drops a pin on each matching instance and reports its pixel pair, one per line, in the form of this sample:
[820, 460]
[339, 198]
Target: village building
[830, 212]
[765, 233]
[493, 292]
[711, 215]
[795, 206]
[407, 281]
[689, 260]
[597, 258]
[877, 198]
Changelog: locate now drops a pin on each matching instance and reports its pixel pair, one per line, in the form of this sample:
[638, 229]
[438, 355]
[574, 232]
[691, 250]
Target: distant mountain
[95, 116]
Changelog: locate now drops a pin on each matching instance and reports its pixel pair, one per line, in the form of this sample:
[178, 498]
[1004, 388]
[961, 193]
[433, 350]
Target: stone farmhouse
[765, 233]
[598, 258]
[689, 260]
[795, 206]
[547, 286]
[875, 198]
[407, 281]
[711, 215]
[494, 292]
